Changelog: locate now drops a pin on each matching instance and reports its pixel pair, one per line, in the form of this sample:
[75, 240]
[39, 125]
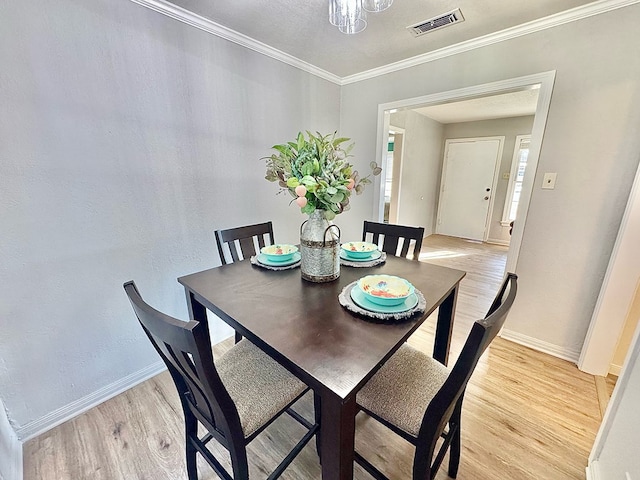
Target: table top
[303, 324]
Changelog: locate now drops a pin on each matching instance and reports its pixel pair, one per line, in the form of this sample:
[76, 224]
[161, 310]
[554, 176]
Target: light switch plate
[549, 181]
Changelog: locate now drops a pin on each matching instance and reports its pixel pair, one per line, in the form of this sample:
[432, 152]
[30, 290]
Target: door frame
[543, 81]
[494, 180]
[394, 204]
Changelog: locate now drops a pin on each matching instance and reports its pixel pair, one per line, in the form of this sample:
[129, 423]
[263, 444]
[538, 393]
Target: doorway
[542, 83]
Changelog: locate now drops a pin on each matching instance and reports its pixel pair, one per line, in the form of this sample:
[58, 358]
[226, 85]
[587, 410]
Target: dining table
[303, 326]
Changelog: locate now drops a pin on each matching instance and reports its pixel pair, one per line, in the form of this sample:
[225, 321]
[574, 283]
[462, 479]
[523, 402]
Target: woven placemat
[371, 263]
[254, 261]
[347, 302]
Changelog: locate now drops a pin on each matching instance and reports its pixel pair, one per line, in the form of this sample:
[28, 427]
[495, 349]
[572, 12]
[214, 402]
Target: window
[516, 176]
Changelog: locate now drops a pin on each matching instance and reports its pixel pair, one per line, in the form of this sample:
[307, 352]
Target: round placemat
[347, 302]
[370, 263]
[254, 261]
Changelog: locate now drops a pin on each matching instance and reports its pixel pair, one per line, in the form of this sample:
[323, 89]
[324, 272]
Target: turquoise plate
[376, 254]
[262, 258]
[359, 299]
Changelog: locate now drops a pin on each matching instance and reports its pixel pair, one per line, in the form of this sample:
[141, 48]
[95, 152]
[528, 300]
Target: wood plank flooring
[526, 415]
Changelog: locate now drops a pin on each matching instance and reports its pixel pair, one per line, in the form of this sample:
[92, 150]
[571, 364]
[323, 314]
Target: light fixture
[376, 5]
[350, 16]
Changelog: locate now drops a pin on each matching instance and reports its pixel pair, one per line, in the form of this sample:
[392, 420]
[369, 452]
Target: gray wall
[509, 128]
[421, 169]
[590, 140]
[126, 138]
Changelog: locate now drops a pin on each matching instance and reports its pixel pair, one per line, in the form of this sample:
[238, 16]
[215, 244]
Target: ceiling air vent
[427, 26]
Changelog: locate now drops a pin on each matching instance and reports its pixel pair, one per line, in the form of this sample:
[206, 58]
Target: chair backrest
[245, 237]
[393, 235]
[185, 348]
[482, 333]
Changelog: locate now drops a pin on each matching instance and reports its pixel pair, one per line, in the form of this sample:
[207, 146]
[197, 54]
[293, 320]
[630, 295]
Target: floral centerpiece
[315, 171]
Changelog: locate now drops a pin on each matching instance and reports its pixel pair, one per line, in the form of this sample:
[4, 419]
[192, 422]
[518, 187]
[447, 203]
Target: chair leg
[316, 408]
[191, 431]
[454, 448]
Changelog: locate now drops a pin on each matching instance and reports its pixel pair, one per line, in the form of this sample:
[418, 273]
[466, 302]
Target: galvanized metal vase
[319, 249]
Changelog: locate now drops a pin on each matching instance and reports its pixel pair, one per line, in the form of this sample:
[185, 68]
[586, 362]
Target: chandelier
[350, 16]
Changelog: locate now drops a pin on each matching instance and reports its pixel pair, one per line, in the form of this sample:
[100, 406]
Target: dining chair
[420, 399]
[234, 398]
[246, 237]
[394, 235]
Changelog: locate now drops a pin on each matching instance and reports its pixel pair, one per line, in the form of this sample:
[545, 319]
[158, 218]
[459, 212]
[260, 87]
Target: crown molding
[204, 24]
[572, 15]
[578, 13]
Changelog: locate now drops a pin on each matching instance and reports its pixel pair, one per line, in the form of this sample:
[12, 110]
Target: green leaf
[309, 208]
[332, 190]
[337, 198]
[292, 182]
[307, 168]
[308, 181]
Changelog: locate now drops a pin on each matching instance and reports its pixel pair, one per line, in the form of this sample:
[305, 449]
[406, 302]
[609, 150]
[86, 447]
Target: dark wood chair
[394, 235]
[420, 399]
[234, 398]
[246, 236]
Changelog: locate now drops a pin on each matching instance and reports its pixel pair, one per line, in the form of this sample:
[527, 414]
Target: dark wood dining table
[303, 326]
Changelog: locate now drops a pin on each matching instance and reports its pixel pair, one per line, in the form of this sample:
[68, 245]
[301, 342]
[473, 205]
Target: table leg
[337, 435]
[444, 327]
[197, 311]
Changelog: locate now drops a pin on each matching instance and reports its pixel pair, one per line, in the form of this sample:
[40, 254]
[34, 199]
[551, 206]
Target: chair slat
[246, 236]
[393, 235]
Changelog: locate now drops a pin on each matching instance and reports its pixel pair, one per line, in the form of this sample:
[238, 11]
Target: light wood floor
[526, 415]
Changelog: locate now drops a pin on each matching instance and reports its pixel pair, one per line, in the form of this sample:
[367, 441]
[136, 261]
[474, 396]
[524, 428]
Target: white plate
[359, 299]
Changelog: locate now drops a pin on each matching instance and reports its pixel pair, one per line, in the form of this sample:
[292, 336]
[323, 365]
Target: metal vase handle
[324, 241]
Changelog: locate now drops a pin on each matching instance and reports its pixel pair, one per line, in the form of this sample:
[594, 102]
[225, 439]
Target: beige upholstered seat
[402, 389]
[258, 385]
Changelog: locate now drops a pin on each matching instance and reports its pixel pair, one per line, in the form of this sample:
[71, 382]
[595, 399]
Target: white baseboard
[539, 345]
[73, 409]
[592, 471]
[615, 369]
[497, 241]
[10, 450]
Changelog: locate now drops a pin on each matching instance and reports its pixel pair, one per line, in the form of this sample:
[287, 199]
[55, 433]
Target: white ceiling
[301, 28]
[515, 104]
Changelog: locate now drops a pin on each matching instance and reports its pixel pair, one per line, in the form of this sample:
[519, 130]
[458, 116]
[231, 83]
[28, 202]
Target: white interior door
[466, 190]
